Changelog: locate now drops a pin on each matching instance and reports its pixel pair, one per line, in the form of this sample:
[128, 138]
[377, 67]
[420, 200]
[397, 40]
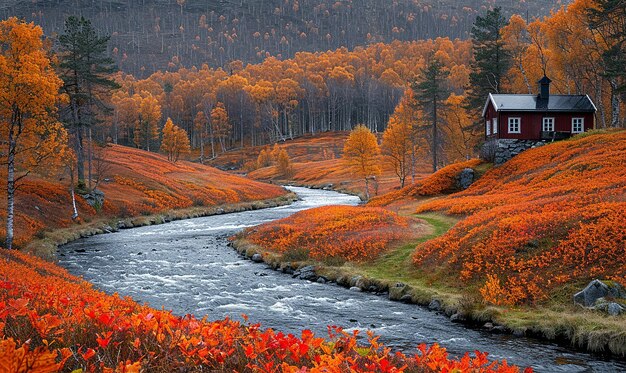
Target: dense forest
[148, 35]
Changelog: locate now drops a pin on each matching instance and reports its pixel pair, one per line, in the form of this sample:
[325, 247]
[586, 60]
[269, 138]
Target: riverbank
[393, 276]
[46, 245]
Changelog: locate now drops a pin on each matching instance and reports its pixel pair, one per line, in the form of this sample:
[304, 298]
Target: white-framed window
[515, 125]
[488, 127]
[548, 124]
[495, 125]
[578, 125]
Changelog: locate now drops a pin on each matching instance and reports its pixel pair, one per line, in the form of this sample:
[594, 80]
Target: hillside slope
[550, 218]
[136, 183]
[317, 162]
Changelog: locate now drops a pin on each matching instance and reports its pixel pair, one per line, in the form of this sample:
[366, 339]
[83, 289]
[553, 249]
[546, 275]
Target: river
[186, 266]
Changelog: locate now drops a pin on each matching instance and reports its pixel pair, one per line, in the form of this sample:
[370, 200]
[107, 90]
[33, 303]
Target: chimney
[544, 88]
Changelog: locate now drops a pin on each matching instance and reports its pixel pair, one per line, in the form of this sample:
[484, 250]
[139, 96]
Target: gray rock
[95, 198]
[397, 291]
[488, 325]
[614, 309]
[354, 281]
[597, 289]
[519, 333]
[434, 305]
[465, 178]
[355, 288]
[257, 258]
[306, 273]
[498, 329]
[322, 280]
[457, 317]
[406, 298]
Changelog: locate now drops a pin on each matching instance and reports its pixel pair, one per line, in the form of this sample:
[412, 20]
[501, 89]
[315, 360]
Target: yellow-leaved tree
[362, 155]
[399, 146]
[175, 141]
[220, 125]
[30, 135]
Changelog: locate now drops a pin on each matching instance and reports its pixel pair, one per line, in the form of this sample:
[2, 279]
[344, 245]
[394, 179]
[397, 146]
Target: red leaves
[104, 339]
[97, 332]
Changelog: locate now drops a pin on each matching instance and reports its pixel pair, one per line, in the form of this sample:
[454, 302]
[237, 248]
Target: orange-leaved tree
[220, 124]
[362, 154]
[283, 164]
[147, 120]
[30, 135]
[175, 141]
[399, 143]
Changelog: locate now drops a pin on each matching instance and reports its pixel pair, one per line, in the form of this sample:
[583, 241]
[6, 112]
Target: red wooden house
[537, 117]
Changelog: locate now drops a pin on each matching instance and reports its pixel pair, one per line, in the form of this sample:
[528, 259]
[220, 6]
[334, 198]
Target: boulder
[94, 198]
[434, 305]
[306, 273]
[457, 317]
[257, 258]
[597, 289]
[615, 309]
[397, 291]
[465, 178]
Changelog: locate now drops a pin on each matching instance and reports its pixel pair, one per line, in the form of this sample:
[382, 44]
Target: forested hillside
[148, 35]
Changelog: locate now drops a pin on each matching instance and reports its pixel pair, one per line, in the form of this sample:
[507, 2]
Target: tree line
[431, 91]
[151, 35]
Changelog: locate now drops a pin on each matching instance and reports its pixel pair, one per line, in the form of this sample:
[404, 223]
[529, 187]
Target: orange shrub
[551, 215]
[344, 232]
[137, 182]
[52, 321]
[442, 181]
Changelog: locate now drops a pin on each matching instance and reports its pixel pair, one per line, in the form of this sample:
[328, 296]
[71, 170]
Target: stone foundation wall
[501, 150]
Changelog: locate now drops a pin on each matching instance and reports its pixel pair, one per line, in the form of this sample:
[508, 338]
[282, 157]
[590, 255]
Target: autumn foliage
[175, 141]
[137, 183]
[52, 321]
[441, 182]
[333, 232]
[551, 216]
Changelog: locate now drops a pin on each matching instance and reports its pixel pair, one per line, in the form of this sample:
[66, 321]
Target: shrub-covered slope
[332, 233]
[551, 216]
[51, 321]
[134, 182]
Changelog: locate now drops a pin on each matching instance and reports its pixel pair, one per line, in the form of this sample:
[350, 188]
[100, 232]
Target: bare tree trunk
[75, 210]
[89, 156]
[367, 189]
[10, 191]
[435, 139]
[80, 155]
[201, 148]
[615, 103]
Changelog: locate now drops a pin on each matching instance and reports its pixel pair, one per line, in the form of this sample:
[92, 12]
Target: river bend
[186, 266]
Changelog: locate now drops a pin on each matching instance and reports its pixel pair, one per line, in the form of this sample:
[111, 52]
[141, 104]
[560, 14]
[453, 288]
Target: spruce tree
[491, 60]
[608, 21]
[86, 72]
[431, 93]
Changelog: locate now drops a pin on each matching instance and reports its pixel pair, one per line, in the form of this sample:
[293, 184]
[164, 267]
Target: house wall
[489, 115]
[531, 123]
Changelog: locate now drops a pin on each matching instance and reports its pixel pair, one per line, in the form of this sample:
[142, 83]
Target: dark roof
[555, 103]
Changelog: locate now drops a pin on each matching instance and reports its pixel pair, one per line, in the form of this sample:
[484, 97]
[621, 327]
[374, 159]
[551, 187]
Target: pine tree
[607, 20]
[491, 59]
[85, 70]
[431, 94]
